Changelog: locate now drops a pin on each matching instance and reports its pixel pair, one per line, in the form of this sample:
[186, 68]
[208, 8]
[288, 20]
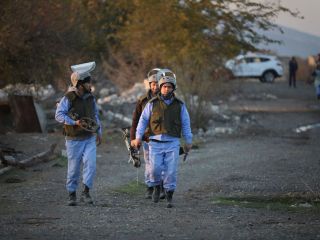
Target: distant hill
[295, 43]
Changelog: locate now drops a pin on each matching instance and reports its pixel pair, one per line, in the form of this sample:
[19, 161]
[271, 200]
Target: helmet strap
[168, 96]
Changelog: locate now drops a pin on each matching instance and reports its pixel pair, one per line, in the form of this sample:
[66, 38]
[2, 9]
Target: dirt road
[261, 182]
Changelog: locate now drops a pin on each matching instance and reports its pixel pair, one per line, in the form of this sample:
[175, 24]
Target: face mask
[86, 88]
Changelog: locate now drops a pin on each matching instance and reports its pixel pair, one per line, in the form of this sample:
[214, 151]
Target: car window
[246, 60]
[242, 60]
[249, 60]
[264, 59]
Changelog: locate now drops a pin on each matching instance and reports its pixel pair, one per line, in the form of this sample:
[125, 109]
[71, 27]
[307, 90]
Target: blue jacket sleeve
[186, 128]
[144, 121]
[96, 111]
[62, 112]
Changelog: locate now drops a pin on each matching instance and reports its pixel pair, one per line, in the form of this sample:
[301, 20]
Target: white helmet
[81, 71]
[151, 77]
[166, 76]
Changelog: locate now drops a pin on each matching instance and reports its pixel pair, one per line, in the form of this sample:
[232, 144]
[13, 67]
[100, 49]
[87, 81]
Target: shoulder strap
[71, 96]
[178, 100]
[143, 98]
[154, 99]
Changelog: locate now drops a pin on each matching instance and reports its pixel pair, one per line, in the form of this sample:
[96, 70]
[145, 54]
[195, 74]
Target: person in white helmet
[79, 103]
[167, 118]
[141, 103]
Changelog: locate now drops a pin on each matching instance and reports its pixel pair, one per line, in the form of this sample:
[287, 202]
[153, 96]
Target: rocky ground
[259, 182]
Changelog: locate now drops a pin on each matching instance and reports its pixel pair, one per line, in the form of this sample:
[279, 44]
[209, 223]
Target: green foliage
[132, 188]
[193, 38]
[61, 161]
[40, 39]
[173, 32]
[29, 36]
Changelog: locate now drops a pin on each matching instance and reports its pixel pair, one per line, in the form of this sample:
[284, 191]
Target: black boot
[72, 199]
[162, 191]
[169, 195]
[85, 196]
[149, 192]
[156, 194]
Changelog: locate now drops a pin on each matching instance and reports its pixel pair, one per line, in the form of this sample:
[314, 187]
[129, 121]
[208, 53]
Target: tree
[39, 40]
[171, 31]
[30, 40]
[194, 38]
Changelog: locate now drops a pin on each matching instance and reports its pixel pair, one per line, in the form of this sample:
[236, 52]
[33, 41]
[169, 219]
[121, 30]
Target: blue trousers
[147, 170]
[164, 159]
[81, 151]
[318, 90]
[317, 86]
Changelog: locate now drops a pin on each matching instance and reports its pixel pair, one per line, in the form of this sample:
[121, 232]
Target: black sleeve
[135, 120]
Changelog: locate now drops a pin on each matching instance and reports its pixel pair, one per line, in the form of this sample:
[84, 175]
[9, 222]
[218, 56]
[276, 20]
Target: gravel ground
[261, 182]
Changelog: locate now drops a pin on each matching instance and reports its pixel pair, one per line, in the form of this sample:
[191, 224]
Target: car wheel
[268, 77]
[262, 80]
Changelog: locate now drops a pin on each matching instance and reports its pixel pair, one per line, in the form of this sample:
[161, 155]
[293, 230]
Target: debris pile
[10, 158]
[37, 91]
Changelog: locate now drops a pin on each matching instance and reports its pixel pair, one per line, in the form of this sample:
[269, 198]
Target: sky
[310, 9]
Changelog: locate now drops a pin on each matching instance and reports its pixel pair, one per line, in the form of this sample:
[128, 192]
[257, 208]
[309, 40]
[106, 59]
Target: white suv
[264, 67]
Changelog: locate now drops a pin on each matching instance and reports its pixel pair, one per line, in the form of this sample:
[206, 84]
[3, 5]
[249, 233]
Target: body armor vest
[165, 119]
[81, 108]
